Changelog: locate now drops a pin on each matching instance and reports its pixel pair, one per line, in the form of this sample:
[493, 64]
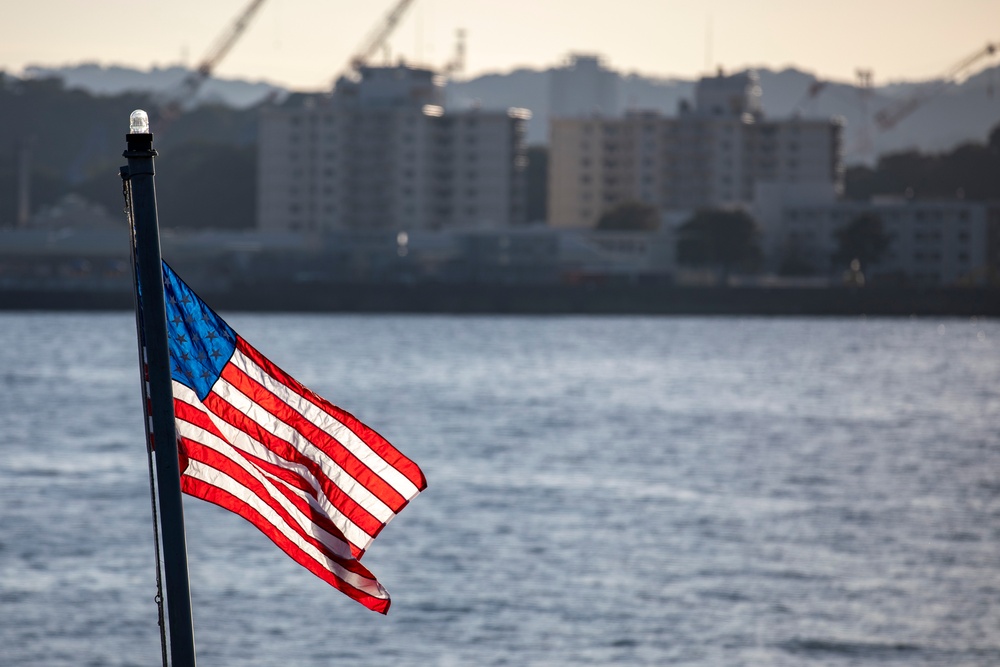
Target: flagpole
[149, 276]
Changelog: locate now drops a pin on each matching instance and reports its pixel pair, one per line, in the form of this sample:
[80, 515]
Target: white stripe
[328, 423]
[273, 425]
[213, 477]
[201, 436]
[242, 441]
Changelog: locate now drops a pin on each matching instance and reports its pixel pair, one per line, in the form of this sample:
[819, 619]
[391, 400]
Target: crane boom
[889, 116]
[226, 40]
[378, 36]
[220, 48]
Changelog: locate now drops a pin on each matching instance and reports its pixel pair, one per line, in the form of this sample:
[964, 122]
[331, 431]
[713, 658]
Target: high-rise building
[583, 86]
[711, 155]
[381, 153]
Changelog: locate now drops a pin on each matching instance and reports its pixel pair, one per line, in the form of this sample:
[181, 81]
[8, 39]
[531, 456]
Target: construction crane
[192, 83]
[809, 98]
[456, 65]
[377, 37]
[889, 116]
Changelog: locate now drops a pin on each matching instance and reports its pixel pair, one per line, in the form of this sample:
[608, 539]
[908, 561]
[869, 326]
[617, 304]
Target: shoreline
[481, 299]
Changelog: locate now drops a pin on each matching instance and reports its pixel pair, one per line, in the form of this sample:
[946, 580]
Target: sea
[602, 491]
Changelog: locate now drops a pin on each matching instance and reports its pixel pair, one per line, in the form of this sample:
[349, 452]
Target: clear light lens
[138, 122]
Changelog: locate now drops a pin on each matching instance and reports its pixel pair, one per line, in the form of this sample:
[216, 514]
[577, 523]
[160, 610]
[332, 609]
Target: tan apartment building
[711, 155]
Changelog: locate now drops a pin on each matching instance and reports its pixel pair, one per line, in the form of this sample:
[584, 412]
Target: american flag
[319, 483]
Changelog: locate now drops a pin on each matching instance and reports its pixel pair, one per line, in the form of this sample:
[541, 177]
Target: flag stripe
[246, 446]
[252, 483]
[275, 440]
[203, 482]
[325, 440]
[305, 513]
[377, 497]
[363, 441]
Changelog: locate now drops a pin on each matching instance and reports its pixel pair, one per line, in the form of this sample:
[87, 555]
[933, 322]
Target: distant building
[931, 242]
[583, 87]
[74, 212]
[711, 155]
[381, 153]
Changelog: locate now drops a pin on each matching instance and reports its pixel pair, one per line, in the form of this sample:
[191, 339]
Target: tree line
[73, 142]
[969, 171]
[730, 240]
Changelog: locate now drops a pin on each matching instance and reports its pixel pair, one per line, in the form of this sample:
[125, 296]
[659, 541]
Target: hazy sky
[305, 43]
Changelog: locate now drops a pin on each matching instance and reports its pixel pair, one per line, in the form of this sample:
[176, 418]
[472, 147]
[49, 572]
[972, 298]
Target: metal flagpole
[149, 276]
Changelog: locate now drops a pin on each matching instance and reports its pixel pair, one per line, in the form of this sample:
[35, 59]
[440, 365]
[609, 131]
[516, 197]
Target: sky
[305, 44]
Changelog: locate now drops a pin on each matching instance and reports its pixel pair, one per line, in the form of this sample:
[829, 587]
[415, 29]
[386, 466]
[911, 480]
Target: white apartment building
[583, 87]
[712, 155]
[381, 153]
[931, 242]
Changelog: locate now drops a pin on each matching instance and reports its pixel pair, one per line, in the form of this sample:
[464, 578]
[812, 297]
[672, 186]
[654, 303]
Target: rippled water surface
[604, 491]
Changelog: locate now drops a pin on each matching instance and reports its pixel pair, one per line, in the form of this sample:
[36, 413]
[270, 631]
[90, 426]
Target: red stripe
[337, 497]
[224, 464]
[314, 435]
[200, 419]
[224, 499]
[376, 442]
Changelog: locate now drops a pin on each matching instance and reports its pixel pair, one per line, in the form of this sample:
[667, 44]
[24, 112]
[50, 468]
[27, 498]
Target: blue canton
[201, 343]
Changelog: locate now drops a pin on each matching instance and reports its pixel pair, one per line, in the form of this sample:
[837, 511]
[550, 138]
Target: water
[603, 491]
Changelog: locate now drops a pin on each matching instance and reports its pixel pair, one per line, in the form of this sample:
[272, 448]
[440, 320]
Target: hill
[959, 113]
[113, 80]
